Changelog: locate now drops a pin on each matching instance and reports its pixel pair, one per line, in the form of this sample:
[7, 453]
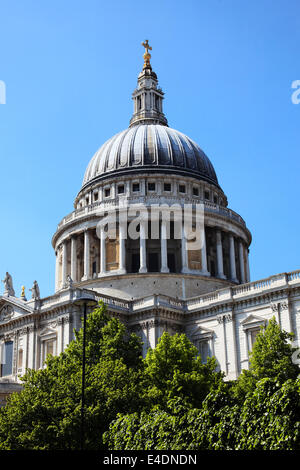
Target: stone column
[86, 256]
[64, 262]
[143, 253]
[74, 259]
[248, 266]
[102, 252]
[66, 331]
[31, 347]
[59, 338]
[56, 271]
[100, 194]
[184, 256]
[232, 258]
[242, 264]
[164, 248]
[143, 187]
[220, 266]
[122, 252]
[204, 270]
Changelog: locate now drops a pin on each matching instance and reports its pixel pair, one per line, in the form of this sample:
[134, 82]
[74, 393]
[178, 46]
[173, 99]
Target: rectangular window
[107, 192]
[167, 186]
[215, 199]
[7, 358]
[95, 197]
[121, 189]
[151, 186]
[206, 195]
[94, 267]
[49, 348]
[182, 188]
[253, 334]
[20, 359]
[135, 187]
[195, 192]
[204, 350]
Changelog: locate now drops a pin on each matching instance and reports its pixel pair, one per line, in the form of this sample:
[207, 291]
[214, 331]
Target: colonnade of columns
[67, 265]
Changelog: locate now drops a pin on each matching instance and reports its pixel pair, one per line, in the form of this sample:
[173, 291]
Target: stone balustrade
[209, 206]
[195, 303]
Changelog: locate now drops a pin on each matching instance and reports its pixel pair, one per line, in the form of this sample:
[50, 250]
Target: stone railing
[114, 203]
[244, 290]
[222, 295]
[261, 285]
[114, 302]
[294, 276]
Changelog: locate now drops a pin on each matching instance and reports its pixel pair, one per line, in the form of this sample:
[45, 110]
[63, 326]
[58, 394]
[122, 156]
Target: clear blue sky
[226, 67]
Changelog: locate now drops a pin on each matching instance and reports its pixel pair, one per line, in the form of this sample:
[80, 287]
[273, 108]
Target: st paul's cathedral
[151, 283]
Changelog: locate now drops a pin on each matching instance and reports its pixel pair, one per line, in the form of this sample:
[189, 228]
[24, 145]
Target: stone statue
[69, 281]
[35, 290]
[8, 285]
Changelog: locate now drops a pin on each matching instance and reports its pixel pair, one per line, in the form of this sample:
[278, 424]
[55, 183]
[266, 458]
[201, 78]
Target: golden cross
[146, 46]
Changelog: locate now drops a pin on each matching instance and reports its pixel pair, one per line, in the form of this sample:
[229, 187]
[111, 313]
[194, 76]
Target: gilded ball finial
[147, 55]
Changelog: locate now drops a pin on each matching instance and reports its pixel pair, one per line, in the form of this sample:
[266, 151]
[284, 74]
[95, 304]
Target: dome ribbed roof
[146, 148]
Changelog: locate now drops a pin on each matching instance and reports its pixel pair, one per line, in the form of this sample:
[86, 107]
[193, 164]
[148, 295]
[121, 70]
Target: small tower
[147, 96]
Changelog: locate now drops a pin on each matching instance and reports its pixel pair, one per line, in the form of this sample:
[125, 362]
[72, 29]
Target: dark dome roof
[150, 148]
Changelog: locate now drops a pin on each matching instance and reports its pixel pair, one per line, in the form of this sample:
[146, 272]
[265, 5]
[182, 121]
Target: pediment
[6, 312]
[47, 332]
[253, 321]
[11, 307]
[201, 332]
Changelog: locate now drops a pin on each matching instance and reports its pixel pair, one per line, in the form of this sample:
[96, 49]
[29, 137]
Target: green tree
[174, 369]
[271, 357]
[46, 413]
[270, 417]
[261, 411]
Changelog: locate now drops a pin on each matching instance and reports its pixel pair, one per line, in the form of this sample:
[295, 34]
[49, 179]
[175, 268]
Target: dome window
[182, 188]
[215, 199]
[195, 191]
[206, 195]
[151, 186]
[167, 187]
[135, 187]
[121, 189]
[107, 192]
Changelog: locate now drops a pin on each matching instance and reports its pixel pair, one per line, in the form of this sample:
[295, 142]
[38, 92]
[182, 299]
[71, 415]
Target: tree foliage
[46, 413]
[174, 369]
[261, 411]
[271, 357]
[170, 400]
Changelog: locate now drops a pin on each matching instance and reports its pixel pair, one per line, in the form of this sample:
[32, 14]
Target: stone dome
[150, 148]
